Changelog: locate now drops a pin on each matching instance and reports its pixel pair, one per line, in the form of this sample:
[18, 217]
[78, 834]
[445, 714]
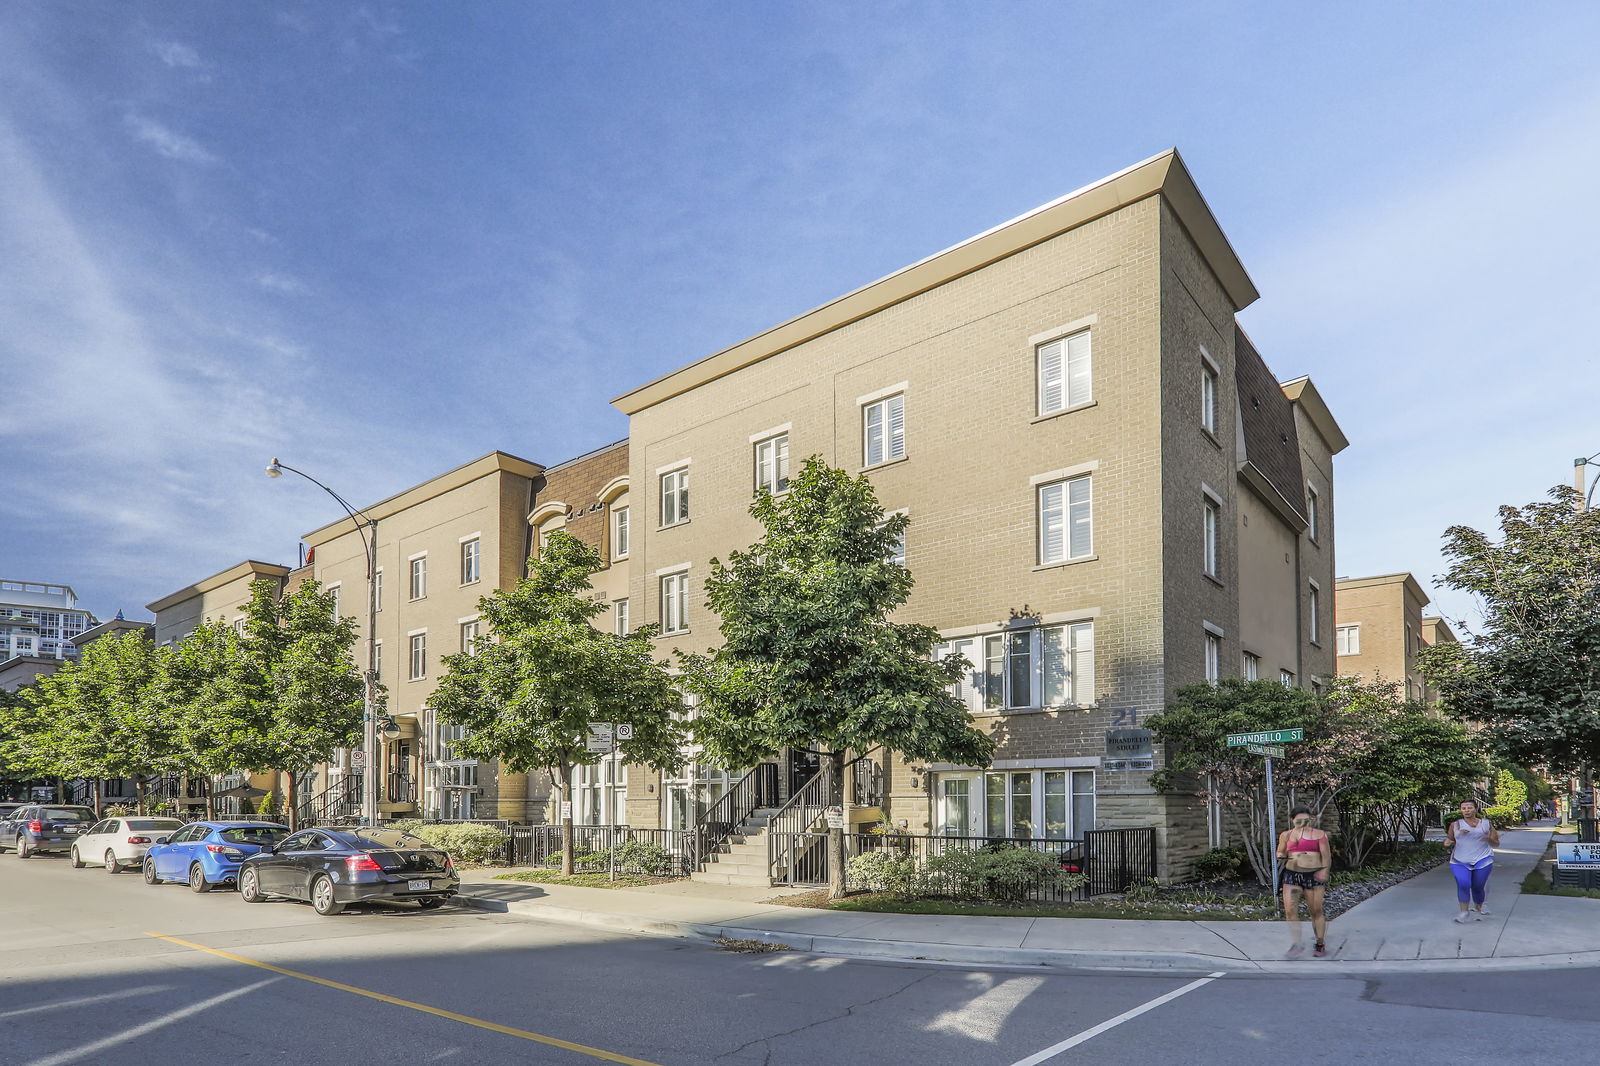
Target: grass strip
[582, 880]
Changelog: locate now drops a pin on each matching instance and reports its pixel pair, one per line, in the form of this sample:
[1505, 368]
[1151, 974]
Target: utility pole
[1585, 772]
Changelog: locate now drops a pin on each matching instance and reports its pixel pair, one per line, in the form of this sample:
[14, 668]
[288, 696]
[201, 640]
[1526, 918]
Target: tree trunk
[565, 814]
[99, 796]
[138, 792]
[835, 768]
[290, 801]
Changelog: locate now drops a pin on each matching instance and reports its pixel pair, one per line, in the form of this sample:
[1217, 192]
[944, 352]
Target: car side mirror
[162, 840]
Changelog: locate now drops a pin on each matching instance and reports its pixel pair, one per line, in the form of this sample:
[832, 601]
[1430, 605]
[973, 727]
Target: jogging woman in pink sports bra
[1306, 861]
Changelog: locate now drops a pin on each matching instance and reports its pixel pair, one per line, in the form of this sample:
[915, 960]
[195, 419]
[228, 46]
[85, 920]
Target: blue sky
[380, 239]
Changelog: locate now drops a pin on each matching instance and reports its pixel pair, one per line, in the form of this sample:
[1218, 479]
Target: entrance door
[803, 766]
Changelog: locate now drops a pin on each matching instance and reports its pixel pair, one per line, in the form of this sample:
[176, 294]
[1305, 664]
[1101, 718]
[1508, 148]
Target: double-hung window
[377, 589]
[1065, 379]
[675, 602]
[772, 464]
[620, 614]
[1252, 666]
[377, 660]
[1347, 640]
[419, 656]
[1028, 804]
[619, 533]
[883, 425]
[1208, 394]
[1313, 513]
[333, 591]
[471, 560]
[1314, 613]
[419, 577]
[469, 637]
[675, 496]
[1066, 520]
[1211, 520]
[1213, 651]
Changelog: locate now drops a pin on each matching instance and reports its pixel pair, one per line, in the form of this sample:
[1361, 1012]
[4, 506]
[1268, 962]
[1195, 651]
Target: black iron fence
[1112, 859]
[648, 852]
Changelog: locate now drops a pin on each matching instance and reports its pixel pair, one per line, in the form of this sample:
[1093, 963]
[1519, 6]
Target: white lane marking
[63, 1004]
[61, 1058]
[1111, 1023]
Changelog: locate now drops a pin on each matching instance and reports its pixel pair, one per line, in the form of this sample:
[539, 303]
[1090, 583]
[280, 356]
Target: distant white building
[38, 620]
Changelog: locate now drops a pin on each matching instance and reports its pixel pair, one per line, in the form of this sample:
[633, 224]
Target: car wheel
[197, 879]
[150, 877]
[322, 898]
[112, 865]
[77, 863]
[249, 888]
[23, 851]
[430, 904]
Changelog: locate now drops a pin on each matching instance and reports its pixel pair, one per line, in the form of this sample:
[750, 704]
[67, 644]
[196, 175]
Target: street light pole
[368, 530]
[1586, 774]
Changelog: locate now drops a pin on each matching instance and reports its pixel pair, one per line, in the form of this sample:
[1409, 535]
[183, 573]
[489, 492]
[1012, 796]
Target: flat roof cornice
[1163, 174]
[465, 474]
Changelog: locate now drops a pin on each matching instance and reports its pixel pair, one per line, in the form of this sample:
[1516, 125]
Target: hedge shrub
[469, 842]
[1220, 864]
[888, 870]
[1009, 875]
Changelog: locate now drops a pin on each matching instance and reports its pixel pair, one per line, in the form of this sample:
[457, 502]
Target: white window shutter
[1052, 382]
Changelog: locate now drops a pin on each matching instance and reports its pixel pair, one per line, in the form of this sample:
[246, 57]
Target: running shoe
[1480, 915]
[1320, 950]
[1296, 950]
[1463, 917]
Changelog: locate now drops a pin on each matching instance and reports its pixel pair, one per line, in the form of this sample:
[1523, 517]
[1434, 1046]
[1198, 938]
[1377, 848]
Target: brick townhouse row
[1111, 495]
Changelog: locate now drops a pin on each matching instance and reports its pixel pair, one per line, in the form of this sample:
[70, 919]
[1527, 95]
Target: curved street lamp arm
[364, 524]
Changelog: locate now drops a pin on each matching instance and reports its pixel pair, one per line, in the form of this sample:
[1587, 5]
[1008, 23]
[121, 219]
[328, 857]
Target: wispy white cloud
[166, 141]
[287, 284]
[177, 54]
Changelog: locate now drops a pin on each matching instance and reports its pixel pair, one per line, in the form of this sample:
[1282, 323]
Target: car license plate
[419, 886]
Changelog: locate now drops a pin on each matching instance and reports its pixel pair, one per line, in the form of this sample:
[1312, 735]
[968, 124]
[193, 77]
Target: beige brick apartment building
[1110, 494]
[1380, 628]
[441, 545]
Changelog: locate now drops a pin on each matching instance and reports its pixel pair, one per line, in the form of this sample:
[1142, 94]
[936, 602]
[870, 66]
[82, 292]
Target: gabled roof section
[1269, 444]
[465, 474]
[1163, 175]
[250, 568]
[1304, 393]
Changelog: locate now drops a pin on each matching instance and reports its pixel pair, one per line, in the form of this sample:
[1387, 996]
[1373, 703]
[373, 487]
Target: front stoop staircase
[742, 859]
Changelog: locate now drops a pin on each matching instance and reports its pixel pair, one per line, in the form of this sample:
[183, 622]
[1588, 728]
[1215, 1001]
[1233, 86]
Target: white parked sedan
[120, 843]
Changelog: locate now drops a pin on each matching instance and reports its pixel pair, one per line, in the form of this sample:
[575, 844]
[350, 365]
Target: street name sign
[1271, 736]
[1271, 751]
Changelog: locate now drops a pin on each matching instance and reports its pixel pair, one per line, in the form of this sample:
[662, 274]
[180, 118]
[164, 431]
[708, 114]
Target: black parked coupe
[332, 867]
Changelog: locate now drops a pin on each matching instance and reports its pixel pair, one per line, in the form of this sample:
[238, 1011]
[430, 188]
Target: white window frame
[377, 589]
[1212, 652]
[883, 430]
[1023, 667]
[1347, 639]
[471, 559]
[1077, 792]
[417, 655]
[334, 591]
[1313, 513]
[1058, 515]
[1211, 533]
[1286, 678]
[619, 533]
[1314, 613]
[674, 497]
[1250, 665]
[470, 629]
[674, 595]
[1210, 379]
[620, 619]
[1058, 385]
[377, 660]
[772, 464]
[417, 569]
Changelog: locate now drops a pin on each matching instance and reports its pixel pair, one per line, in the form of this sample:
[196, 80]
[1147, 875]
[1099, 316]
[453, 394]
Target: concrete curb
[1032, 958]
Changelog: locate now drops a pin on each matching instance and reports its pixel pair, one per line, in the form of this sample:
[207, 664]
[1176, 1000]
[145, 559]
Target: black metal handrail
[400, 788]
[756, 789]
[866, 783]
[795, 818]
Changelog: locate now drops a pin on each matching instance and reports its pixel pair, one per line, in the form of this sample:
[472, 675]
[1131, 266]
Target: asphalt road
[96, 968]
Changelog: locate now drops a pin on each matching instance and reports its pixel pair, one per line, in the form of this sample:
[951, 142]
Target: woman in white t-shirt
[1472, 839]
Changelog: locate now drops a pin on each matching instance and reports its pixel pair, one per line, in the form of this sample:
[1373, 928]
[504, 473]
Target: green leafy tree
[543, 673]
[1530, 673]
[24, 755]
[283, 695]
[102, 718]
[811, 658]
[1339, 733]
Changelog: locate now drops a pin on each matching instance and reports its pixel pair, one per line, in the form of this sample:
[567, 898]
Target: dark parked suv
[44, 827]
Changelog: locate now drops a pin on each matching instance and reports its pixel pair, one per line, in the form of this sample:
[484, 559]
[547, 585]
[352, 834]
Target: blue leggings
[1472, 882]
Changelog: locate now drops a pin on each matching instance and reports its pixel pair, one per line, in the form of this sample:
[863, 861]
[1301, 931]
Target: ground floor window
[1043, 804]
[601, 792]
[691, 795]
[455, 779]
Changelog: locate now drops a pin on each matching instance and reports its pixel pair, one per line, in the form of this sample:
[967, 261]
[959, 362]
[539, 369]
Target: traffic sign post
[601, 738]
[1269, 743]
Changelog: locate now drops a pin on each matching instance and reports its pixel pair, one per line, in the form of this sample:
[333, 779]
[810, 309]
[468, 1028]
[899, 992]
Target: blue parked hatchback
[206, 854]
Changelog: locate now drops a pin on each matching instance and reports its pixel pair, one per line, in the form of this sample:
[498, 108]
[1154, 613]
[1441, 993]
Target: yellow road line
[438, 1012]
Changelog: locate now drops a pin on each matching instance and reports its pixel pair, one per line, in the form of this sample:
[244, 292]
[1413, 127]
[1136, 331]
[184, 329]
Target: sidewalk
[1404, 928]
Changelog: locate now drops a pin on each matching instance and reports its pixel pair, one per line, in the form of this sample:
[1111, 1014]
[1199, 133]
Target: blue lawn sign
[1578, 856]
